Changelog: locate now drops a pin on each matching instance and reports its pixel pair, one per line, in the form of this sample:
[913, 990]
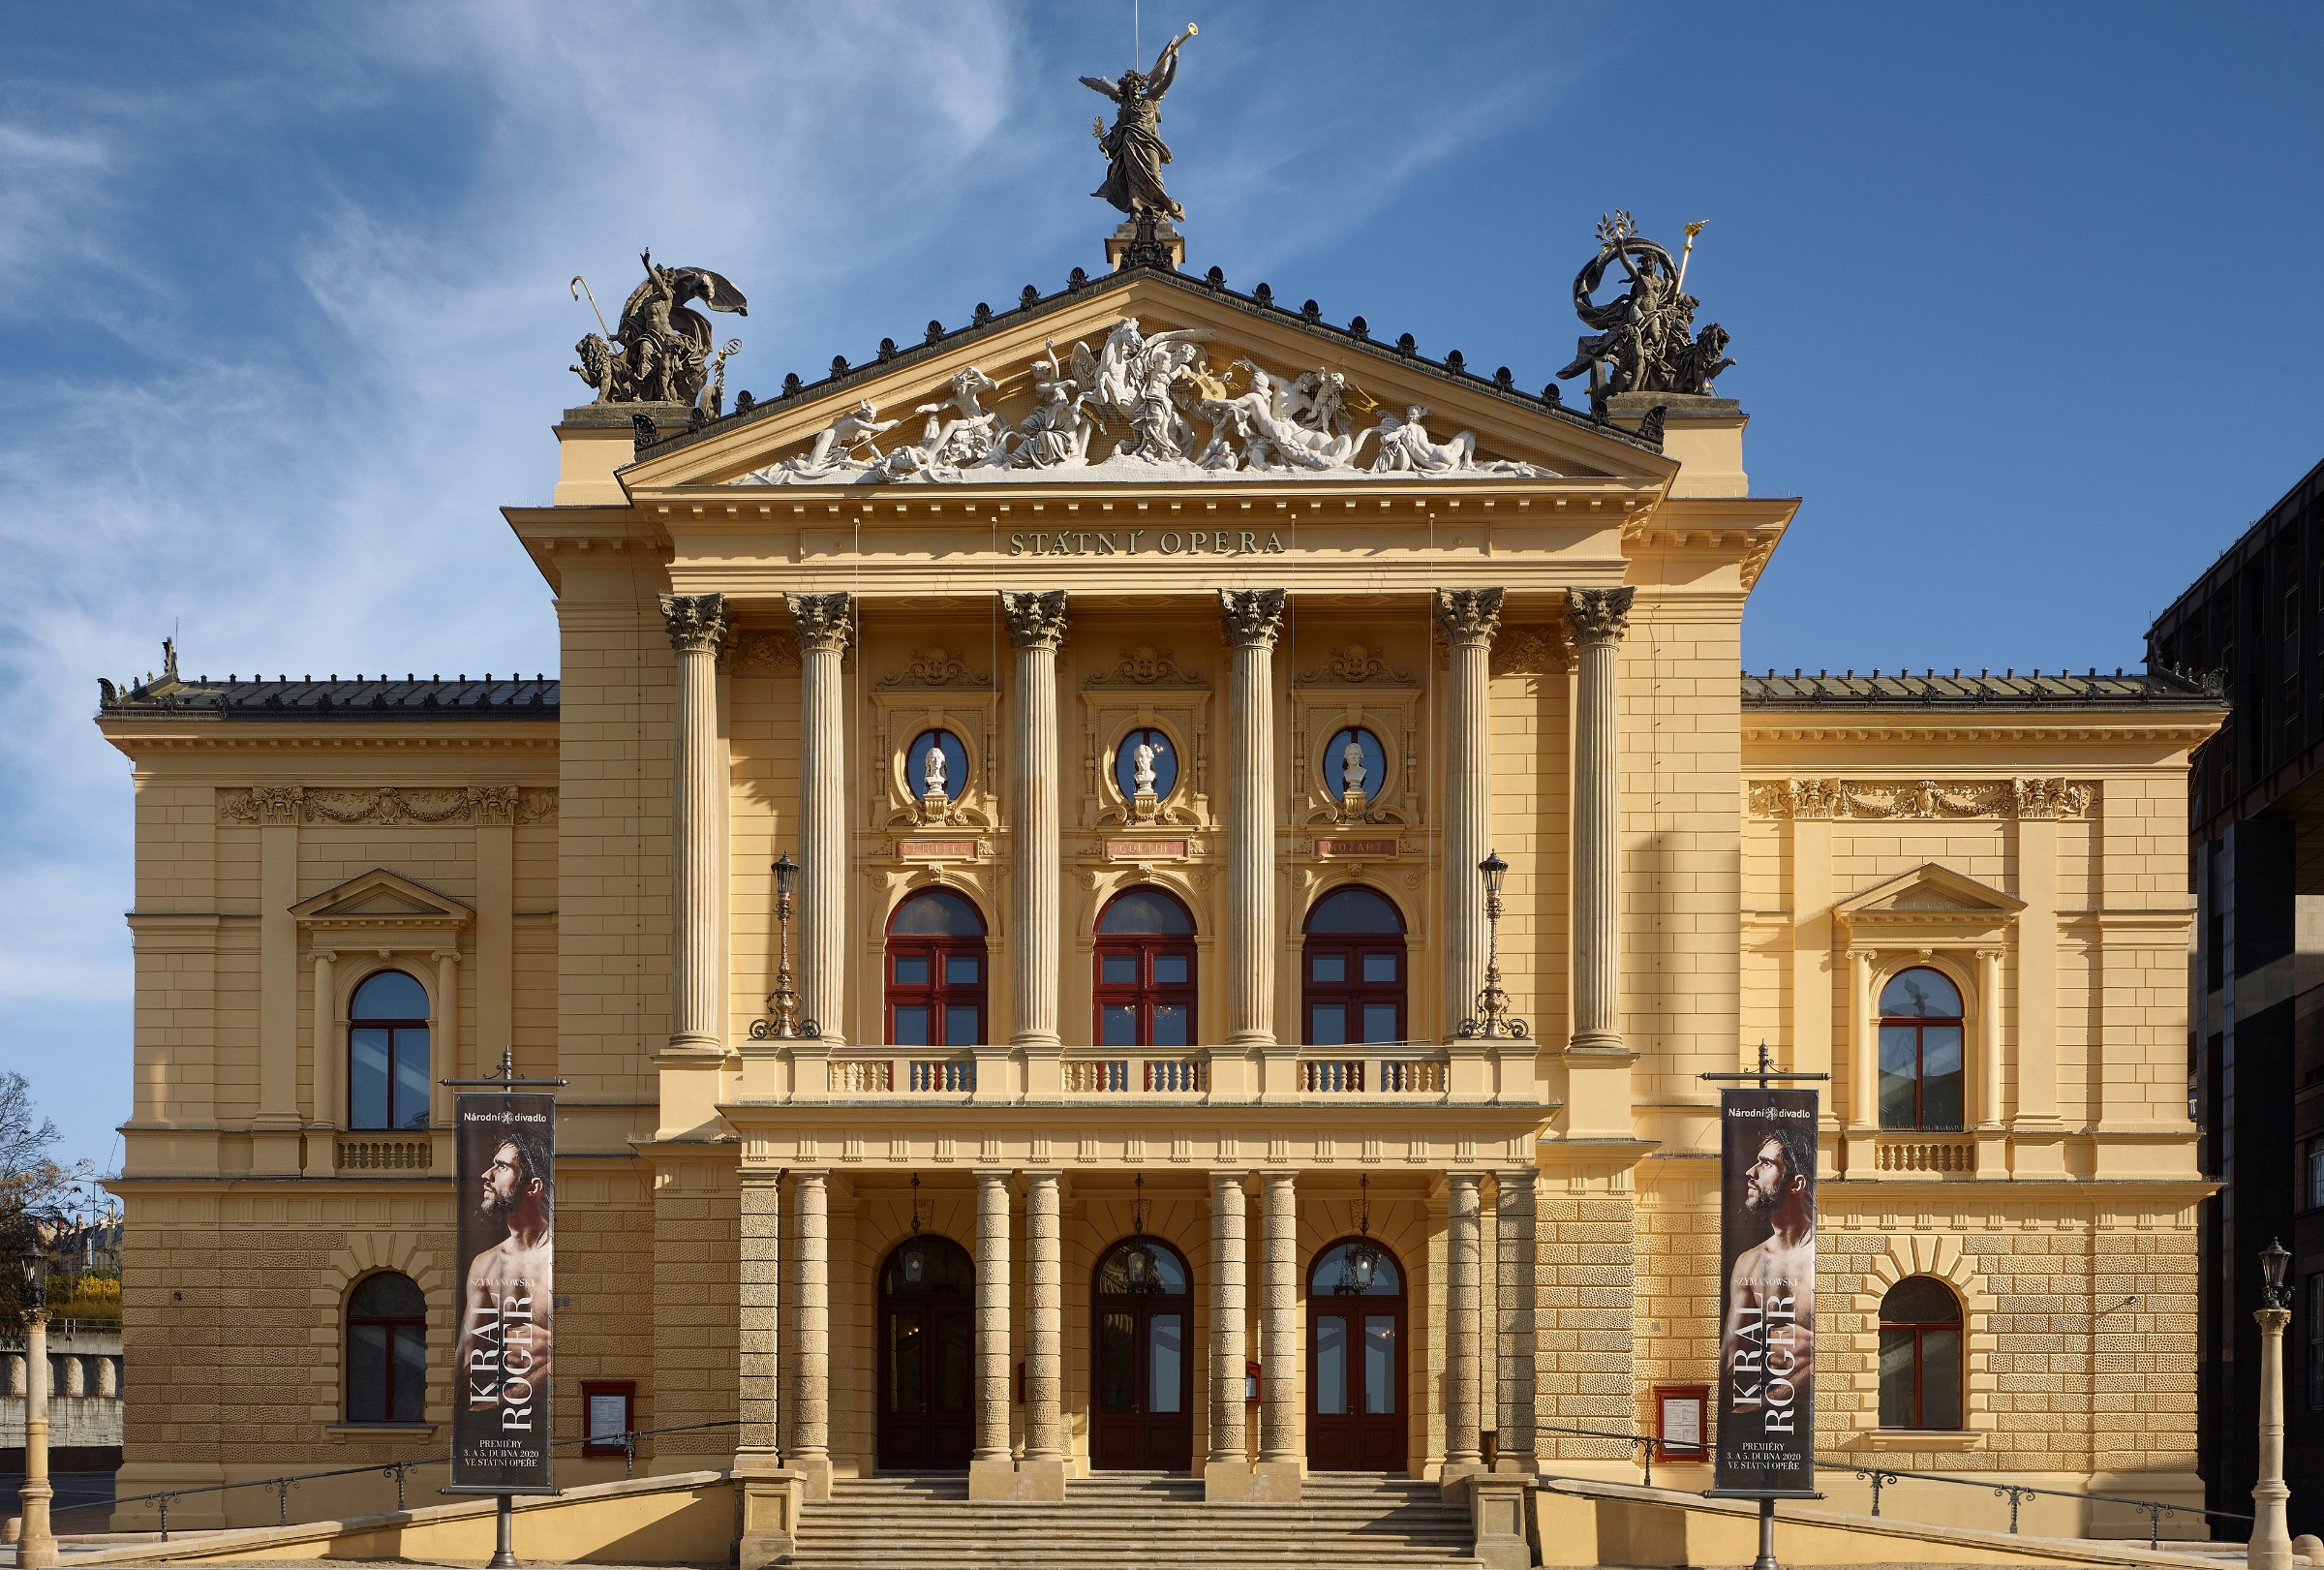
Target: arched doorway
[936, 972]
[1141, 1372]
[1352, 970]
[927, 1341]
[1356, 1375]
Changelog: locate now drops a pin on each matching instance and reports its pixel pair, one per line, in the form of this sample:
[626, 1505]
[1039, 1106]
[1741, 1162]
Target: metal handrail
[2018, 1493]
[397, 1469]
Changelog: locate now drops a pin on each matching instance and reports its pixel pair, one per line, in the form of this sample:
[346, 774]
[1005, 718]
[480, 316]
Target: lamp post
[783, 1022]
[2270, 1546]
[36, 1546]
[1492, 1021]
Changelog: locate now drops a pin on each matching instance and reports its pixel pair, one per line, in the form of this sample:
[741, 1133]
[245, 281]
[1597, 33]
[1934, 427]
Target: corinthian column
[1598, 617]
[1044, 1321]
[1254, 617]
[1280, 1326]
[811, 1303]
[1036, 626]
[1468, 619]
[824, 623]
[697, 624]
[992, 1471]
[1464, 1309]
[1227, 1469]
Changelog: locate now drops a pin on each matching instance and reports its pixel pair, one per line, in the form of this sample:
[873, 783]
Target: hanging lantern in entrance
[1362, 1266]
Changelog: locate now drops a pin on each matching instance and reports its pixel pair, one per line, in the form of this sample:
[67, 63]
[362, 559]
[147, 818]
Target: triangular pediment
[1931, 890]
[1210, 385]
[381, 897]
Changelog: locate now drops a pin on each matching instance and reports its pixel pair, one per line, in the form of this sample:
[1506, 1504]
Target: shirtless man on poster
[514, 1273]
[1764, 1353]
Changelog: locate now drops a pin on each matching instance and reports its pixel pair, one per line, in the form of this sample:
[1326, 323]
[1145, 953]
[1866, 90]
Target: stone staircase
[1134, 1520]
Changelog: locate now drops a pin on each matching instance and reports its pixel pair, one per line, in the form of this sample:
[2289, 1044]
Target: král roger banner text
[1765, 1395]
[506, 1161]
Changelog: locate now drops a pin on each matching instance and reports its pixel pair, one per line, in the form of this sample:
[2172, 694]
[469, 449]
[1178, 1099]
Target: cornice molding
[1833, 798]
[396, 806]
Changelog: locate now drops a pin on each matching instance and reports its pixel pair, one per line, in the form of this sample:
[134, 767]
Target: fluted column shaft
[697, 626]
[1037, 627]
[811, 1292]
[1516, 1204]
[824, 623]
[991, 1316]
[1468, 619]
[1045, 1319]
[1253, 620]
[1598, 619]
[1464, 1308]
[1228, 1315]
[1279, 1392]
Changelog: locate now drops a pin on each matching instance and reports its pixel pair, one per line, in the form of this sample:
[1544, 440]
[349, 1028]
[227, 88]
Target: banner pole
[503, 1548]
[1765, 1560]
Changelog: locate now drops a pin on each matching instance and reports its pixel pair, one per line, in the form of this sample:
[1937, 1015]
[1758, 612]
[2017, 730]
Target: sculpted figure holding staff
[1134, 148]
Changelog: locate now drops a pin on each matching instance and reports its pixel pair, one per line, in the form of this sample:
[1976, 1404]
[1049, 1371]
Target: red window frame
[1919, 1329]
[1352, 992]
[1143, 994]
[1920, 1025]
[939, 994]
[393, 1326]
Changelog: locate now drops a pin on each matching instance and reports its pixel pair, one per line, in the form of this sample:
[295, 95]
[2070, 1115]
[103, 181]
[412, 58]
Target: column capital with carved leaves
[697, 624]
[824, 624]
[1252, 620]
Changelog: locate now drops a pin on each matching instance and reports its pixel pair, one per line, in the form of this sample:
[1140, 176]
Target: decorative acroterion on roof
[1645, 339]
[661, 353]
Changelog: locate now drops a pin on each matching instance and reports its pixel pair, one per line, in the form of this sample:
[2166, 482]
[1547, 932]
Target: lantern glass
[1364, 1262]
[34, 1263]
[786, 874]
[915, 1266]
[2274, 1260]
[1495, 870]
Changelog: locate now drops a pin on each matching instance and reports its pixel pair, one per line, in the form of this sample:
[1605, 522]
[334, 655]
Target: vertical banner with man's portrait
[507, 1153]
[1766, 1396]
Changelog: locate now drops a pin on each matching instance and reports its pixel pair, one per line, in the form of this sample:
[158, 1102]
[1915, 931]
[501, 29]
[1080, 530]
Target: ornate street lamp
[783, 1020]
[36, 1543]
[2271, 1547]
[1492, 1021]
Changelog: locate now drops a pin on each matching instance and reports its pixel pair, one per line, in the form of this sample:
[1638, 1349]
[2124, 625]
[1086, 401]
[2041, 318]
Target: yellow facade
[551, 868]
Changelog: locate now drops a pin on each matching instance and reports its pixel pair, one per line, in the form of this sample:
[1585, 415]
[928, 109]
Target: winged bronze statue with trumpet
[1134, 149]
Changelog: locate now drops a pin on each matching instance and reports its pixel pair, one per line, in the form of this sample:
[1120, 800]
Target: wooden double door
[1355, 1360]
[1141, 1327]
[927, 1349]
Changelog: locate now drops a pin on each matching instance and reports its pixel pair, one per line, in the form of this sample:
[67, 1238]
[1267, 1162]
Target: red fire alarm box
[1681, 1414]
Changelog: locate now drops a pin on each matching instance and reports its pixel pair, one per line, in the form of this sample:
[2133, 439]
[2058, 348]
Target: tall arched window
[387, 1052]
[1921, 1052]
[386, 1350]
[1352, 970]
[936, 972]
[1920, 1355]
[1144, 982]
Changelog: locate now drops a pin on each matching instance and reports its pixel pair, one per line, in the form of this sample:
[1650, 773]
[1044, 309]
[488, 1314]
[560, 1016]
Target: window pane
[1327, 968]
[961, 1028]
[1942, 1091]
[963, 970]
[936, 911]
[1331, 1365]
[1355, 910]
[1920, 1300]
[1380, 967]
[1172, 1024]
[1898, 1073]
[1380, 1022]
[905, 1354]
[390, 995]
[1117, 1363]
[911, 1029]
[1170, 970]
[388, 1296]
[411, 1374]
[1920, 993]
[367, 1078]
[1120, 1025]
[366, 1373]
[1144, 910]
[1118, 970]
[1164, 1353]
[1327, 1025]
[1379, 1363]
[1940, 1379]
[411, 1079]
[1896, 1378]
[911, 970]
[952, 1363]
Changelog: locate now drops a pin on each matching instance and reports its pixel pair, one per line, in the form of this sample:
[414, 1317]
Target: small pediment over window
[1934, 898]
[379, 898]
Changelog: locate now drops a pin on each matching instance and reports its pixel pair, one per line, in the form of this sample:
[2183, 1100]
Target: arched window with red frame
[1145, 971]
[1352, 970]
[386, 1350]
[1922, 1071]
[1920, 1355]
[937, 971]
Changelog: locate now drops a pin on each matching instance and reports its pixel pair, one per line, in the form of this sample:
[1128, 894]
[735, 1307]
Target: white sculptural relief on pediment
[1142, 408]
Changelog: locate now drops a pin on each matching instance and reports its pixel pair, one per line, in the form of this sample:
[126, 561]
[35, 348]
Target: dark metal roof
[938, 339]
[327, 697]
[2033, 690]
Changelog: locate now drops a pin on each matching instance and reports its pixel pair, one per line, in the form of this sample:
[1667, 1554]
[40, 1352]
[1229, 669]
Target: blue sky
[2023, 297]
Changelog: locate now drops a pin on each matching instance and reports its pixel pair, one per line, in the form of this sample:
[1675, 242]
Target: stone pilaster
[1467, 619]
[1464, 1242]
[697, 626]
[811, 1368]
[1226, 1468]
[1516, 1288]
[758, 1381]
[1253, 619]
[1043, 1472]
[1037, 627]
[991, 1472]
[825, 622]
[1281, 1398]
